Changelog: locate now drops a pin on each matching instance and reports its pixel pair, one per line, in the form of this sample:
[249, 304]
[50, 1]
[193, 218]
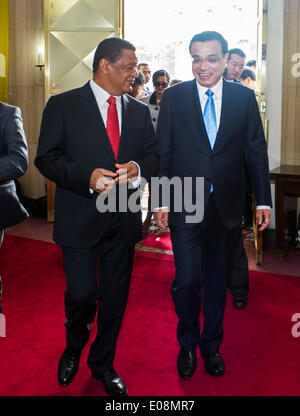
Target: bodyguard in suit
[13, 164]
[88, 135]
[200, 136]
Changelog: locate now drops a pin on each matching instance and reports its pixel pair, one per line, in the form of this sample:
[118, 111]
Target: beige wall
[26, 81]
[290, 143]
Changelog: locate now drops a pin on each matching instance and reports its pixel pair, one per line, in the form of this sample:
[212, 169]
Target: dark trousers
[100, 274]
[201, 256]
[238, 275]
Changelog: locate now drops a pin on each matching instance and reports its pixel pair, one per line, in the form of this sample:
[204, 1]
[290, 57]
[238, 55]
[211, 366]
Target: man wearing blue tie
[200, 136]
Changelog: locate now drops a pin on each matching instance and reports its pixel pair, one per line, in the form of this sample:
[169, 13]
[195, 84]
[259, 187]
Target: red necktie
[112, 125]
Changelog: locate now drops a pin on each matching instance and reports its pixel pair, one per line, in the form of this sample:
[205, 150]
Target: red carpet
[261, 356]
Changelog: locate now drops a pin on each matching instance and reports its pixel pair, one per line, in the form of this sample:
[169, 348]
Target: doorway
[162, 30]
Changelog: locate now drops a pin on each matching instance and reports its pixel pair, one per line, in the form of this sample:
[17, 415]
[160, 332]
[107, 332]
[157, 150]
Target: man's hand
[102, 180]
[126, 173]
[162, 218]
[263, 218]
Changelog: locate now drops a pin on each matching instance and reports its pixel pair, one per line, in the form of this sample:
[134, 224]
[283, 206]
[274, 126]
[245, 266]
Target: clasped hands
[102, 181]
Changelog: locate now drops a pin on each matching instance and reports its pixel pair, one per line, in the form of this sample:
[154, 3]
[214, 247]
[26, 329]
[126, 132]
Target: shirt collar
[217, 89]
[102, 95]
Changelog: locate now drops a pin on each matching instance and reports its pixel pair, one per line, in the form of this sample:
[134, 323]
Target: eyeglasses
[161, 84]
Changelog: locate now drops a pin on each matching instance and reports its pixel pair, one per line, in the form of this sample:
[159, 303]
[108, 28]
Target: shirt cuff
[137, 182]
[160, 209]
[263, 207]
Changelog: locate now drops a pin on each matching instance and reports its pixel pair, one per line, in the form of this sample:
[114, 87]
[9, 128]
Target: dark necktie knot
[111, 100]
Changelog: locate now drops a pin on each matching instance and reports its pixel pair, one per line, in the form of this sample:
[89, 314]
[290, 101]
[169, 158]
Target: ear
[104, 65]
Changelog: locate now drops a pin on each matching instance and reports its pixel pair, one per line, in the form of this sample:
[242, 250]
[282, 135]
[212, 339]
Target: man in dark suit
[89, 136]
[199, 136]
[13, 164]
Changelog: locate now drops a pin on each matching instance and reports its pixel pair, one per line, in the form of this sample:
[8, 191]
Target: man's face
[235, 66]
[122, 73]
[146, 72]
[208, 62]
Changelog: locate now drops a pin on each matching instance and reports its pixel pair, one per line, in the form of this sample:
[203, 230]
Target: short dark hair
[110, 49]
[142, 64]
[252, 62]
[140, 79]
[210, 35]
[247, 72]
[160, 73]
[237, 51]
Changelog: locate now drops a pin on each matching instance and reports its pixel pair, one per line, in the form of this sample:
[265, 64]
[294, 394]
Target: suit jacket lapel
[225, 115]
[125, 125]
[195, 109]
[91, 110]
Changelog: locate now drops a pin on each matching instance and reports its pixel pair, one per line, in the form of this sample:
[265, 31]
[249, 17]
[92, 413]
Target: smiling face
[160, 85]
[208, 62]
[117, 77]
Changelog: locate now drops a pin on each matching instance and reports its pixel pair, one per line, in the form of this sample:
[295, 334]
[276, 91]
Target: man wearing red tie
[89, 136]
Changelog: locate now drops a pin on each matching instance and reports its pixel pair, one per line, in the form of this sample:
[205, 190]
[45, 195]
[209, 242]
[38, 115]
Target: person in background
[248, 78]
[174, 81]
[160, 81]
[144, 69]
[238, 274]
[235, 64]
[138, 87]
[13, 164]
[93, 139]
[251, 64]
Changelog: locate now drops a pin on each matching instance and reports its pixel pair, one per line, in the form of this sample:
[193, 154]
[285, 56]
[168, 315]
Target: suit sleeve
[51, 159]
[15, 162]
[257, 156]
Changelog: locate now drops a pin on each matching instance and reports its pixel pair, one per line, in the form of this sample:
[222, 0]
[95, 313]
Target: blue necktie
[210, 120]
[209, 117]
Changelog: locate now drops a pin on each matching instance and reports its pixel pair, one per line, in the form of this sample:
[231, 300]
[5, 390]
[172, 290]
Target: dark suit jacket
[73, 142]
[13, 164]
[185, 150]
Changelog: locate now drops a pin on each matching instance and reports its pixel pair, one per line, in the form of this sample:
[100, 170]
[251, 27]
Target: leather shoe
[113, 384]
[214, 364]
[240, 301]
[67, 367]
[186, 363]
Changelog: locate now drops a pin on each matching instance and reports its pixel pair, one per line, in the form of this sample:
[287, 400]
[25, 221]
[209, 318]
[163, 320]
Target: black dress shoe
[113, 384]
[214, 364]
[186, 363]
[67, 367]
[240, 301]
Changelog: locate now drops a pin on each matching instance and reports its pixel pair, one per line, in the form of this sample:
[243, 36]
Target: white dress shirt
[102, 96]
